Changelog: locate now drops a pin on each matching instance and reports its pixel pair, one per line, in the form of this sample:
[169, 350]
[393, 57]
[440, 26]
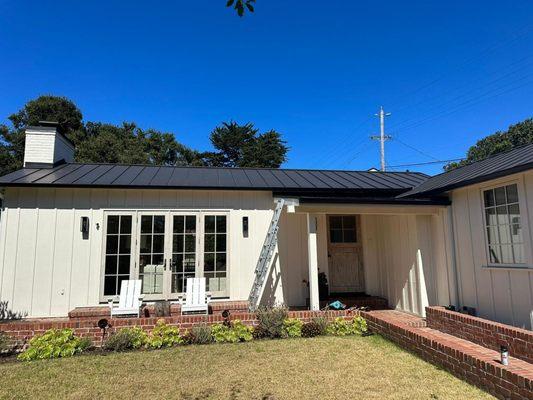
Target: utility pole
[382, 137]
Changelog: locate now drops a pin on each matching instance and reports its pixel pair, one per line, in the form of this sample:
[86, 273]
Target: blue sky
[316, 71]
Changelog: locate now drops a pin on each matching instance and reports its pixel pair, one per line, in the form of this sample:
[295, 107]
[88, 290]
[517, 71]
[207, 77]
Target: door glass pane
[117, 253]
[215, 252]
[183, 251]
[152, 253]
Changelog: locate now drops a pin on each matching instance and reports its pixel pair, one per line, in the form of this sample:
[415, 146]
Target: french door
[173, 246]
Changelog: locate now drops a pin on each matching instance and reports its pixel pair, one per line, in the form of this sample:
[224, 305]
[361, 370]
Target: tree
[239, 6]
[243, 146]
[517, 135]
[44, 108]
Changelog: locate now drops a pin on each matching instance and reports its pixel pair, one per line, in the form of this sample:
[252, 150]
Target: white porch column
[313, 262]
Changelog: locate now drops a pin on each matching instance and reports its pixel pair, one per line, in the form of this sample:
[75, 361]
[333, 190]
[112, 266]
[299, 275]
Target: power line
[425, 163]
[415, 149]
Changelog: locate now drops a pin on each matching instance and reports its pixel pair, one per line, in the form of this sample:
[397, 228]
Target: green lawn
[318, 368]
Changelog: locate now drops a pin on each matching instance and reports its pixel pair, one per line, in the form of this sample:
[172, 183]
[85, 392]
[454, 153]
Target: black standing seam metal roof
[142, 176]
[496, 166]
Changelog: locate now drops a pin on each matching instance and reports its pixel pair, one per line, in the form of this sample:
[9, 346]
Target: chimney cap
[51, 124]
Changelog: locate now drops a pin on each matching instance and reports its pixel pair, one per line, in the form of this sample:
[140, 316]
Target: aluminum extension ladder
[263, 263]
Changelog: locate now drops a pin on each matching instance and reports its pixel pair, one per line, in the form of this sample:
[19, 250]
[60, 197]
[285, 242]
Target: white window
[117, 263]
[503, 224]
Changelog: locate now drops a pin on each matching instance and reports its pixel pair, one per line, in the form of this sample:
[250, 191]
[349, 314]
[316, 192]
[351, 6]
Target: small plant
[200, 334]
[54, 343]
[6, 344]
[271, 321]
[292, 327]
[164, 335]
[312, 329]
[322, 322]
[126, 339]
[6, 314]
[238, 332]
[359, 326]
[339, 327]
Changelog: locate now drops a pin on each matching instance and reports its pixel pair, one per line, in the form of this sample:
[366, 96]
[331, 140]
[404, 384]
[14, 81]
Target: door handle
[164, 265]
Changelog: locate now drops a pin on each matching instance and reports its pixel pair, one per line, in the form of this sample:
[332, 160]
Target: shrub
[259, 332]
[200, 334]
[164, 335]
[6, 314]
[292, 327]
[322, 323]
[54, 343]
[312, 329]
[126, 339]
[359, 326]
[237, 332]
[271, 321]
[339, 327]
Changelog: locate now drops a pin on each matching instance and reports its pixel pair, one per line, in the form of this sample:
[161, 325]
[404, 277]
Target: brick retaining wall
[484, 332]
[86, 326]
[466, 360]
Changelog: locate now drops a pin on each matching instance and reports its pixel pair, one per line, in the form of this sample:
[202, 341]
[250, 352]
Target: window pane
[190, 243]
[516, 233]
[494, 252]
[119, 281]
[514, 213]
[505, 234]
[499, 194]
[489, 198]
[125, 244]
[177, 244]
[490, 216]
[190, 224]
[110, 285]
[209, 243]
[507, 254]
[177, 263]
[111, 244]
[179, 224]
[124, 265]
[159, 224]
[335, 222]
[221, 242]
[503, 217]
[146, 224]
[177, 283]
[336, 236]
[112, 224]
[157, 259]
[221, 261]
[125, 224]
[221, 224]
[512, 193]
[492, 234]
[518, 251]
[209, 262]
[349, 236]
[158, 244]
[189, 262]
[110, 265]
[210, 224]
[146, 244]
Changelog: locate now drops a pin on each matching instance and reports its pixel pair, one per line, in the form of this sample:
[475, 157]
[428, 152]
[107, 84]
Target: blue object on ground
[337, 305]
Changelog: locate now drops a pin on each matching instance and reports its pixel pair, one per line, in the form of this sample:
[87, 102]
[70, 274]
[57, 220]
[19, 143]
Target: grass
[318, 368]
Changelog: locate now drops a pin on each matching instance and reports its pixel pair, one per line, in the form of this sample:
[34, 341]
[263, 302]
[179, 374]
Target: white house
[70, 233]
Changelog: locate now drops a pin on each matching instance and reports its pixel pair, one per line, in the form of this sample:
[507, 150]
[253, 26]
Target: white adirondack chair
[196, 299]
[130, 299]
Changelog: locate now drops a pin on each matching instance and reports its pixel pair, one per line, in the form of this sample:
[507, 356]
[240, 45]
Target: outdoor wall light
[245, 227]
[84, 225]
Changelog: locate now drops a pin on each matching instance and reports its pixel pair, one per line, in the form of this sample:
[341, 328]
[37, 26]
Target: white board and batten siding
[500, 293]
[48, 268]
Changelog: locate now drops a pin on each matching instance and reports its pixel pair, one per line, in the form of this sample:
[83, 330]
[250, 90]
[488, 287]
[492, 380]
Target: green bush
[312, 329]
[6, 344]
[200, 334]
[342, 327]
[339, 327]
[322, 323]
[164, 335]
[126, 339]
[237, 332]
[292, 327]
[271, 321]
[359, 326]
[54, 343]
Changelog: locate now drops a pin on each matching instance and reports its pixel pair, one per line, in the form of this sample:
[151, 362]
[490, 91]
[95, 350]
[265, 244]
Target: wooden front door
[345, 254]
